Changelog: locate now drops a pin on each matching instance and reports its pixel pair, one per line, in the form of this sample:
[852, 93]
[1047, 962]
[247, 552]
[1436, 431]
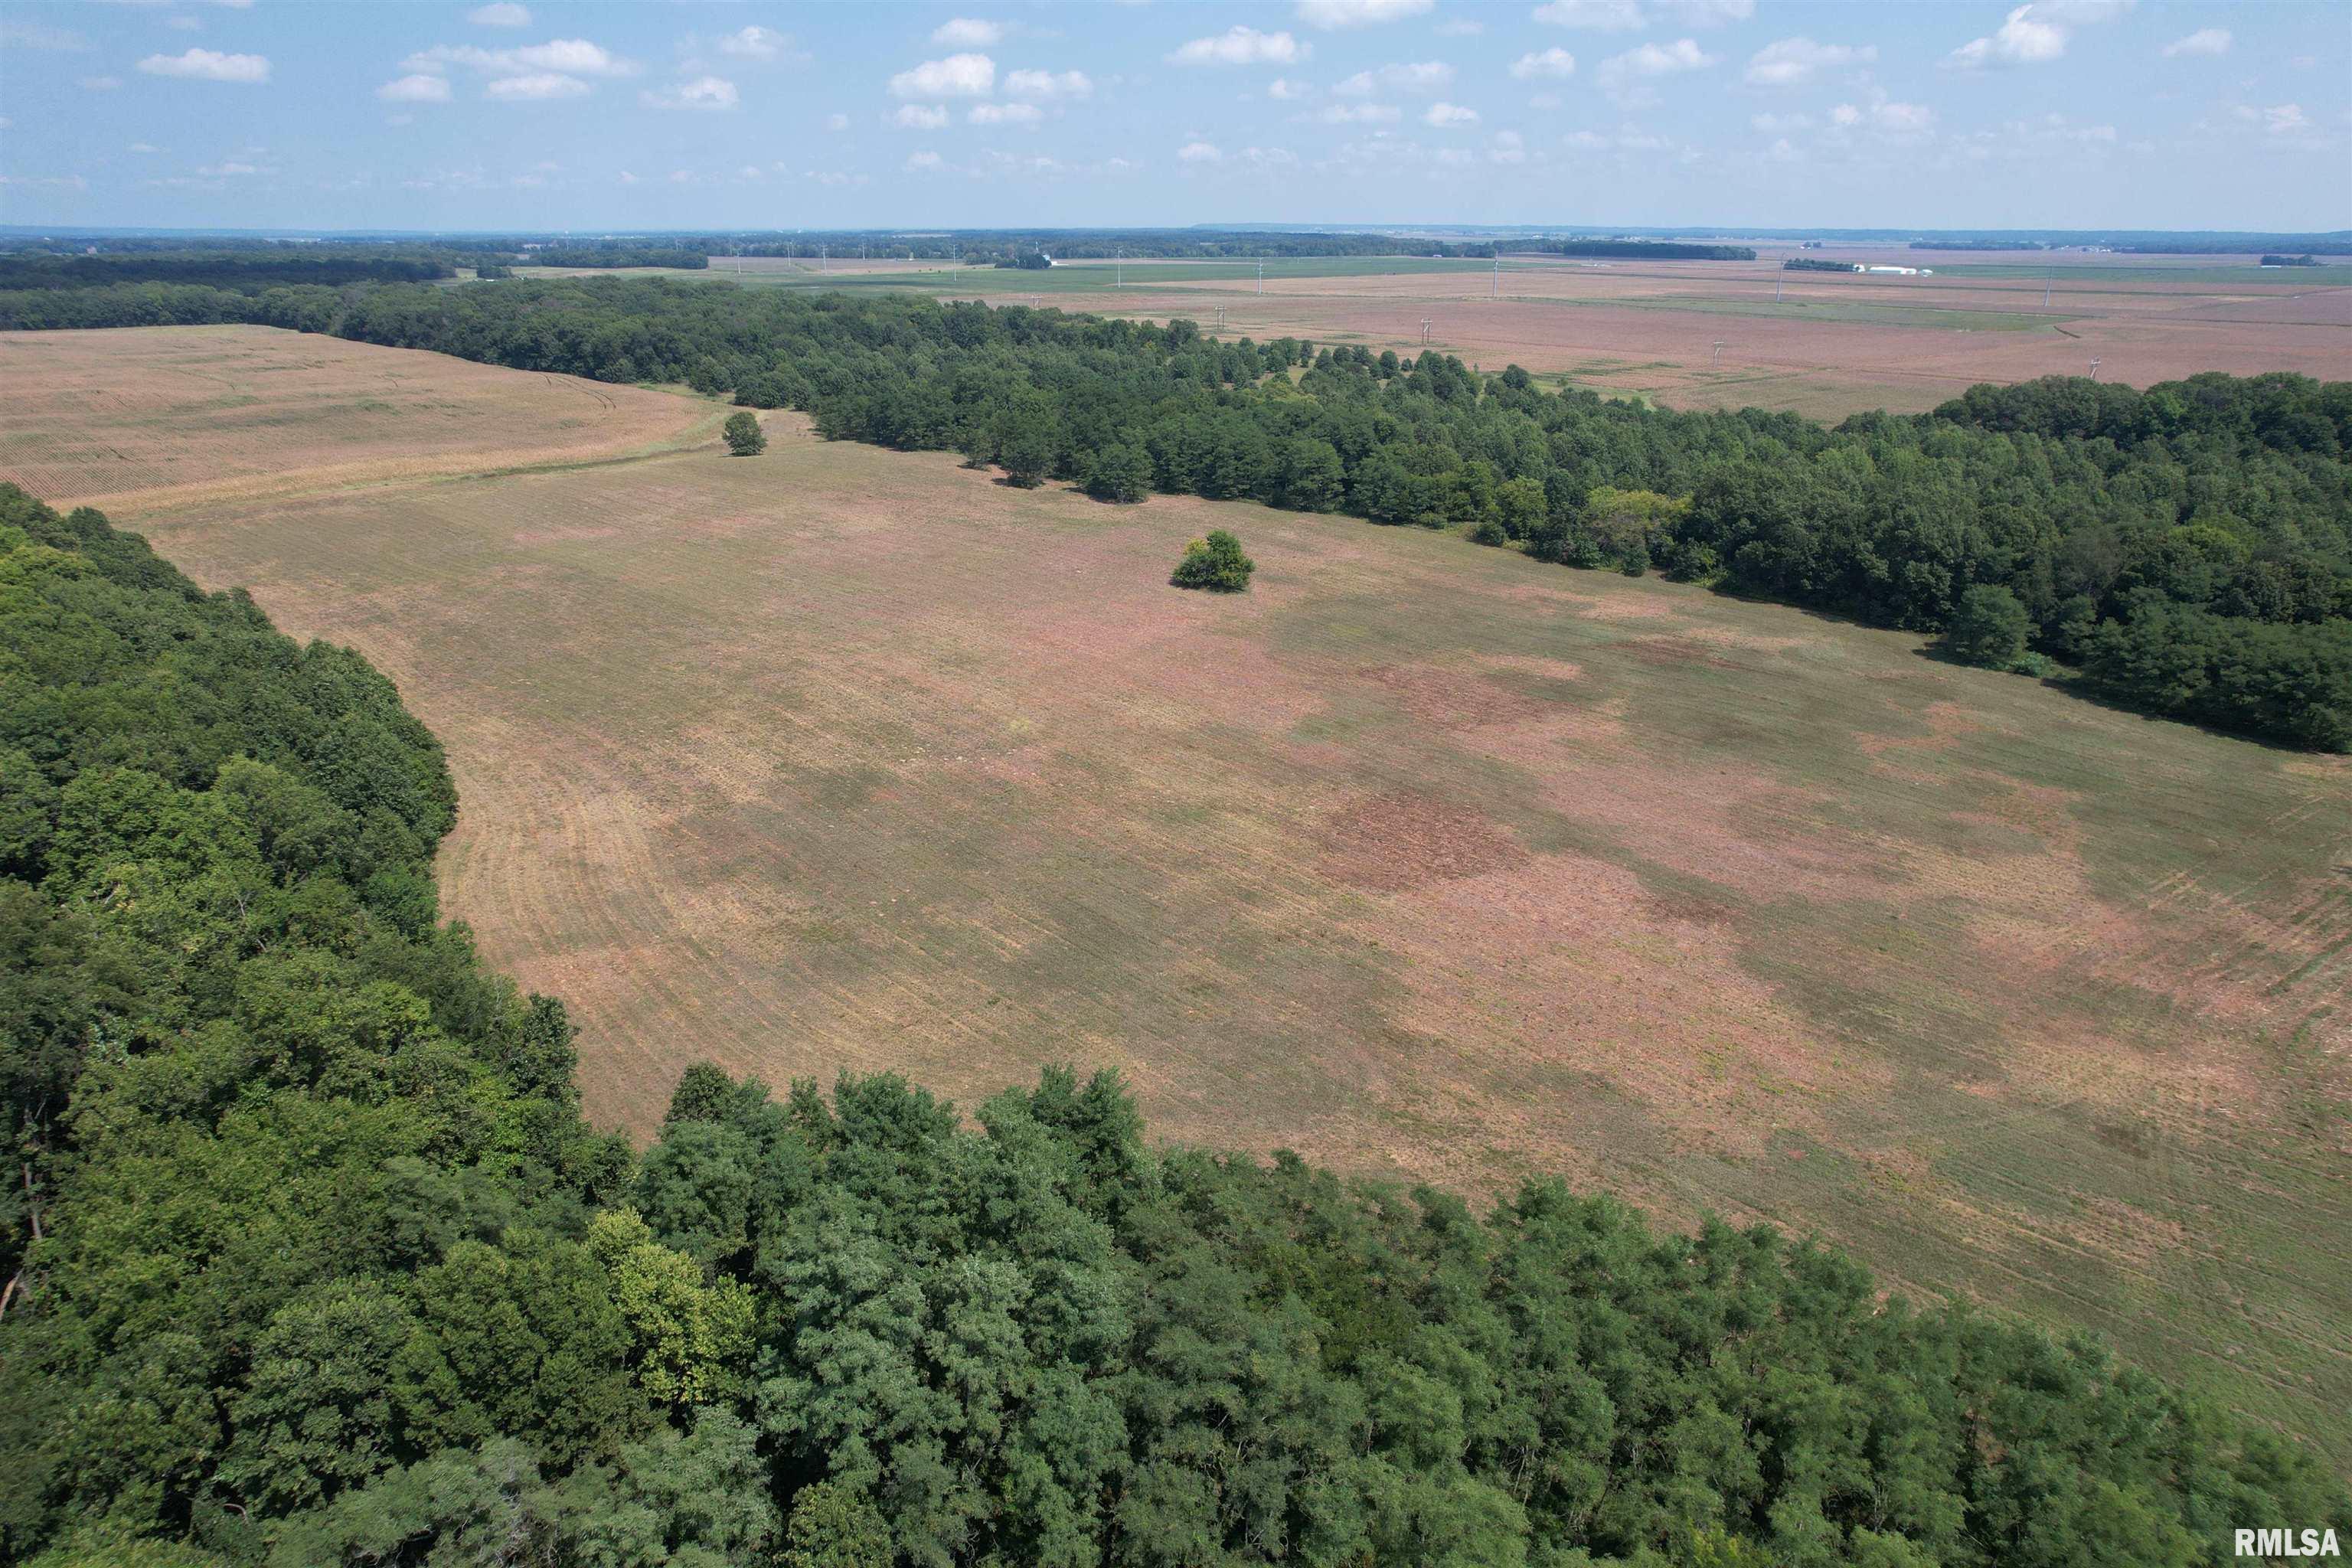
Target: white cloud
[1239, 45]
[71, 182]
[1891, 120]
[957, 75]
[1357, 114]
[1422, 76]
[135, 146]
[418, 87]
[2203, 41]
[925, 163]
[920, 116]
[2034, 34]
[1627, 15]
[968, 33]
[1793, 62]
[1198, 153]
[1593, 16]
[1703, 13]
[1625, 140]
[206, 64]
[1445, 115]
[756, 43]
[1049, 84]
[1552, 62]
[1004, 114]
[539, 86]
[505, 14]
[16, 35]
[841, 122]
[706, 93]
[1625, 77]
[1508, 147]
[222, 171]
[564, 57]
[2278, 120]
[99, 83]
[1359, 12]
[1284, 89]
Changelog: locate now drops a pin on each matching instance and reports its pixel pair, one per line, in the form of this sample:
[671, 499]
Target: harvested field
[134, 422]
[1822, 344]
[1425, 860]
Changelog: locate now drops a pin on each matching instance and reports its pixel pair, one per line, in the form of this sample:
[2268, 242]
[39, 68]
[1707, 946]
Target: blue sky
[2075, 113]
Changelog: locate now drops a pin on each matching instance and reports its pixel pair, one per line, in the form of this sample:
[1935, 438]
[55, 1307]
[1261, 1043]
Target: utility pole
[1260, 276]
[1119, 271]
[1496, 293]
[2045, 293]
[1783, 283]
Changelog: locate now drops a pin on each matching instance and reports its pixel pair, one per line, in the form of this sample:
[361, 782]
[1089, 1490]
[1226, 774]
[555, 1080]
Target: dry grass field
[1427, 860]
[1822, 344]
[137, 421]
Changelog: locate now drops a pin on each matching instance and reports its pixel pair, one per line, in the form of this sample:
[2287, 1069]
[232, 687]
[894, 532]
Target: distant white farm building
[1900, 271]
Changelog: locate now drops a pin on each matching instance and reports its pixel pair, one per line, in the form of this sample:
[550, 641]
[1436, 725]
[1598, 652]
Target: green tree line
[1645, 249]
[244, 271]
[2189, 547]
[312, 1261]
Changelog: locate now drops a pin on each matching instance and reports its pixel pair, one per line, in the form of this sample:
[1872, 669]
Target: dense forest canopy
[2188, 547]
[313, 1261]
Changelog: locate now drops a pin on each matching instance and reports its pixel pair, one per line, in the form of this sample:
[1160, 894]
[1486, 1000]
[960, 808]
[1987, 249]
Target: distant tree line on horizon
[1814, 264]
[241, 270]
[1641, 249]
[683, 257]
[2188, 548]
[311, 1261]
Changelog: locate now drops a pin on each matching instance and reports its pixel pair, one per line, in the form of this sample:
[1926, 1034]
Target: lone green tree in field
[744, 436]
[1988, 628]
[1216, 564]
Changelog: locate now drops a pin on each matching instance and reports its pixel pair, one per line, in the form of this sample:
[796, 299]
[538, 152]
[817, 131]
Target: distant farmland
[1424, 860]
[1822, 344]
[189, 414]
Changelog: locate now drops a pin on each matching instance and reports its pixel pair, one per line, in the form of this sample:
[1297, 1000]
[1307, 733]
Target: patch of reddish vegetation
[1403, 839]
[1456, 699]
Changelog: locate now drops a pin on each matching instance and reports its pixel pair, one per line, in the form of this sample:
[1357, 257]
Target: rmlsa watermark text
[2267, 1545]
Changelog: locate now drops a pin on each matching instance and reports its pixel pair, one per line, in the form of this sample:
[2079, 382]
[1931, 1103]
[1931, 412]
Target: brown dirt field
[137, 422]
[1651, 329]
[1427, 860]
